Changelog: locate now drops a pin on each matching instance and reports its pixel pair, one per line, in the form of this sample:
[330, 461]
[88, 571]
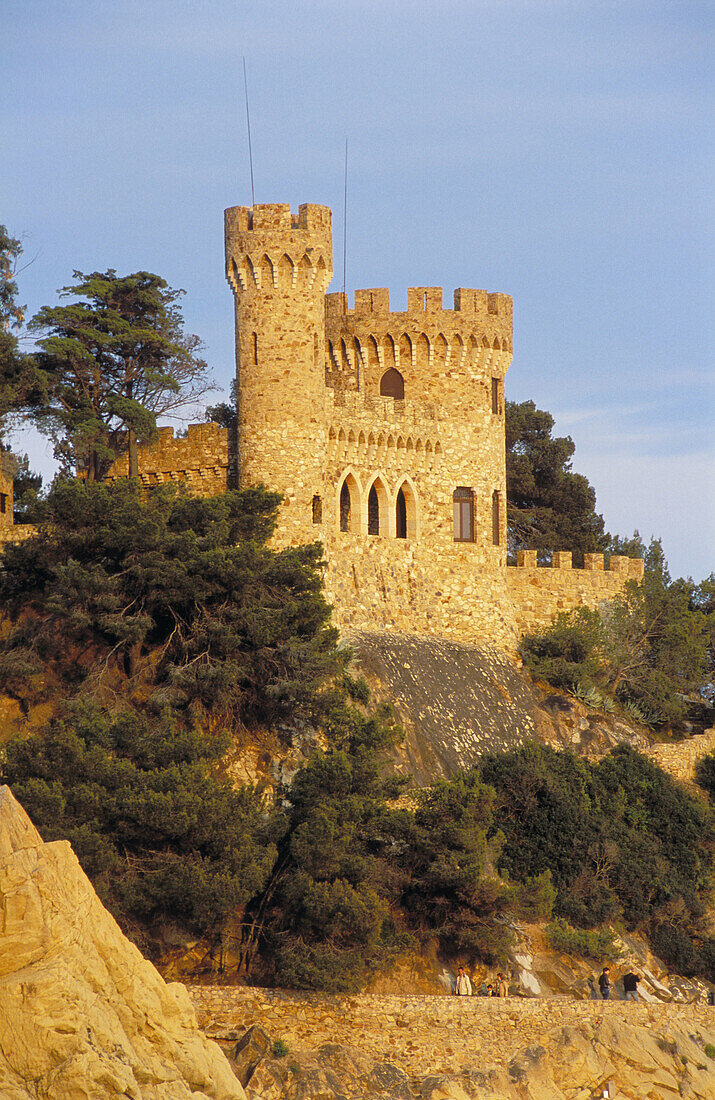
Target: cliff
[83, 1016]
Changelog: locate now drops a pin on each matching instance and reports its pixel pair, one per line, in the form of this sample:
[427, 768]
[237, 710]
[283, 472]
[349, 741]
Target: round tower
[279, 265]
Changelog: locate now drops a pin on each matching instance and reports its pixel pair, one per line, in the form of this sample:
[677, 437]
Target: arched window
[373, 513]
[318, 509]
[392, 384]
[496, 518]
[401, 516]
[463, 509]
[345, 507]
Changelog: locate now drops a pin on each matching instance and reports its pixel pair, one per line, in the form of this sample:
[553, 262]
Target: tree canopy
[180, 591]
[622, 839]
[109, 363]
[650, 647]
[549, 507]
[17, 378]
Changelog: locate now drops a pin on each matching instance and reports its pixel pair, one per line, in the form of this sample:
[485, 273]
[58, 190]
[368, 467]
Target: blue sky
[556, 151]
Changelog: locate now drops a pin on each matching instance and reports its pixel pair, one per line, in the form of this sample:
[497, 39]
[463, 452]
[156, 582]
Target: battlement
[277, 216]
[422, 301]
[592, 563]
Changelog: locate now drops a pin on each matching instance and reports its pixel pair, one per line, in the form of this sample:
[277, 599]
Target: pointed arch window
[392, 384]
[373, 512]
[401, 516]
[345, 507]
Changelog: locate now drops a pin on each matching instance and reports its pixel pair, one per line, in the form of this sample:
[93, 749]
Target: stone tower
[279, 265]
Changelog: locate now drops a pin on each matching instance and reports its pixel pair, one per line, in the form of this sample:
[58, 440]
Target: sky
[556, 150]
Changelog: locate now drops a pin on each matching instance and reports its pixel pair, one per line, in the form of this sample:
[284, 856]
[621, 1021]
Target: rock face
[83, 1016]
[457, 702]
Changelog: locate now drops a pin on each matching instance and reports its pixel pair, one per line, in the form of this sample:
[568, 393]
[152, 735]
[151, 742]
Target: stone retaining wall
[421, 1034]
[679, 759]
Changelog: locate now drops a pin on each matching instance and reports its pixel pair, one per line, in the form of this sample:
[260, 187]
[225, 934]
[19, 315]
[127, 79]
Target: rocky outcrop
[83, 1016]
[448, 1048]
[458, 702]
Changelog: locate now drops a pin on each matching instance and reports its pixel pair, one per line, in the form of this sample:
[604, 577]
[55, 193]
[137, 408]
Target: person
[463, 986]
[490, 990]
[502, 986]
[592, 988]
[630, 985]
[604, 983]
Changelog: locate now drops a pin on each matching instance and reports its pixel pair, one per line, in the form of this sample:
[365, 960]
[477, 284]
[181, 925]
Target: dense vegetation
[161, 626]
[142, 634]
[650, 650]
[622, 840]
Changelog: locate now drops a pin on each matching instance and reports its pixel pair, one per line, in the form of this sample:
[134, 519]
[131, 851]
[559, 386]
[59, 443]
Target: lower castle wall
[679, 759]
[538, 593]
[421, 1034]
[16, 532]
[201, 460]
[403, 586]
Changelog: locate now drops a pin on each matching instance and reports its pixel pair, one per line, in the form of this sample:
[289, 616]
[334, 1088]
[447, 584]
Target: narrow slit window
[254, 347]
[496, 396]
[496, 517]
[463, 511]
[317, 509]
[3, 503]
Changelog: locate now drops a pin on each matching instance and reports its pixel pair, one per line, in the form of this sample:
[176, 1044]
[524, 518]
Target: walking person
[592, 988]
[604, 983]
[502, 986]
[462, 986]
[630, 985]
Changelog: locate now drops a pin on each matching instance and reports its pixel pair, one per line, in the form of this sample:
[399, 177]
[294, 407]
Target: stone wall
[422, 1034]
[16, 532]
[538, 593]
[202, 460]
[679, 759]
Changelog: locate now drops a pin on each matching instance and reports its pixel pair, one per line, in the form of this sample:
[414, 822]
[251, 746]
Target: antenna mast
[248, 124]
[345, 217]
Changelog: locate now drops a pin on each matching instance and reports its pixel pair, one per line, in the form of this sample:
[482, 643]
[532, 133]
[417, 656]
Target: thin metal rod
[248, 124]
[345, 218]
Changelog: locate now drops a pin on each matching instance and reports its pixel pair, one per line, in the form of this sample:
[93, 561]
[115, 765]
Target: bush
[705, 774]
[597, 944]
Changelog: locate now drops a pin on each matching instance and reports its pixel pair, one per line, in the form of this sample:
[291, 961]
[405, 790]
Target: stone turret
[279, 265]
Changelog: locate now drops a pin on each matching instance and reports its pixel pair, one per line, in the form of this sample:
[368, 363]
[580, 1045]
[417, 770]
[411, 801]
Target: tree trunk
[133, 454]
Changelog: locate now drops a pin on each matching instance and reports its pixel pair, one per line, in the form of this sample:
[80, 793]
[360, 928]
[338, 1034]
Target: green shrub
[597, 944]
[279, 1048]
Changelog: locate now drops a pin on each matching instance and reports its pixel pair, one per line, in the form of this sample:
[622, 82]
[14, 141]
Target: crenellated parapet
[203, 460]
[269, 248]
[539, 592]
[441, 352]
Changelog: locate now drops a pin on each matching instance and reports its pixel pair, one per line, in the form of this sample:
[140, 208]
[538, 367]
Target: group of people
[463, 985]
[630, 985]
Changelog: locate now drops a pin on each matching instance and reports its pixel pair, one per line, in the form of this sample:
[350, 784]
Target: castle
[384, 431]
